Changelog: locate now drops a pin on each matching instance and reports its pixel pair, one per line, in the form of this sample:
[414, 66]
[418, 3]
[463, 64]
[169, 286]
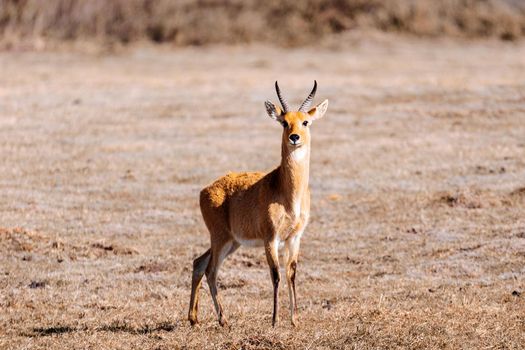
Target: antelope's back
[221, 191]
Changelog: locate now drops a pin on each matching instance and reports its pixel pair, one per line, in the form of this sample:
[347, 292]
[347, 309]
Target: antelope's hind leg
[220, 250]
[199, 268]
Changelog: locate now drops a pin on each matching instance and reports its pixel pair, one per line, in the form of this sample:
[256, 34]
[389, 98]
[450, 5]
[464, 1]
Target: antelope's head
[296, 124]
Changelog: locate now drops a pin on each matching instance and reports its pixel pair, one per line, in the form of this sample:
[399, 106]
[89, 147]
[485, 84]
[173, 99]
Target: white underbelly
[255, 242]
[249, 242]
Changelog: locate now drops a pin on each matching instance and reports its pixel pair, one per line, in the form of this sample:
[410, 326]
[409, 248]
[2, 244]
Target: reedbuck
[256, 209]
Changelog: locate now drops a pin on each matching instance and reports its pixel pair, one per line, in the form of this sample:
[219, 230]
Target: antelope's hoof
[223, 322]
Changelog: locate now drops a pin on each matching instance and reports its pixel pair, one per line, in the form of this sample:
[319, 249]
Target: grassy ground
[417, 235]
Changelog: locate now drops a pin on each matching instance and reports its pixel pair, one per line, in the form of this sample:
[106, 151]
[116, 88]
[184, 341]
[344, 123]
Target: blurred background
[114, 114]
[283, 23]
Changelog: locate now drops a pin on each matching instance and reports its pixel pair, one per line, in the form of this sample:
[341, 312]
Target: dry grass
[417, 237]
[189, 22]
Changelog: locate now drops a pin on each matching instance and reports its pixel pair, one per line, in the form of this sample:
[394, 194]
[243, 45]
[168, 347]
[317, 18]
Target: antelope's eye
[284, 124]
[305, 123]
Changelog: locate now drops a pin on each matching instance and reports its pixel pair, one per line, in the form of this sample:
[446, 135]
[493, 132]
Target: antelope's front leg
[271, 248]
[291, 268]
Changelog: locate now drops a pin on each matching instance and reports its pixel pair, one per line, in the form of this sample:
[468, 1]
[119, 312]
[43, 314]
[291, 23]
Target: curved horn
[283, 101]
[307, 103]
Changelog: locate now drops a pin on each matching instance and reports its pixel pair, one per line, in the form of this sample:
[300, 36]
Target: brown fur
[259, 208]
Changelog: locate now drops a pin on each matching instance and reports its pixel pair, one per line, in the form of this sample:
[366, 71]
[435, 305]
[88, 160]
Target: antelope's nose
[294, 138]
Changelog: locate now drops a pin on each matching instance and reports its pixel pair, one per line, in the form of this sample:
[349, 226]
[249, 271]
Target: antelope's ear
[273, 111]
[318, 111]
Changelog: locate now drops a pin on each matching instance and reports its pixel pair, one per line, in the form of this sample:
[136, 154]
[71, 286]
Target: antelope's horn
[283, 101]
[308, 102]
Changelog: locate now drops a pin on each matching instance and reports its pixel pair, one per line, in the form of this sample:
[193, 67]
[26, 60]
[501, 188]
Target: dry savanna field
[417, 231]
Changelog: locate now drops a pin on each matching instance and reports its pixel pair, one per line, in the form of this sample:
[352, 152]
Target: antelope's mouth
[295, 143]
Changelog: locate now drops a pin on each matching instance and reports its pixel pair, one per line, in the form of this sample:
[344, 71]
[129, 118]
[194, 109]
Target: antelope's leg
[272, 256]
[291, 269]
[219, 253]
[199, 267]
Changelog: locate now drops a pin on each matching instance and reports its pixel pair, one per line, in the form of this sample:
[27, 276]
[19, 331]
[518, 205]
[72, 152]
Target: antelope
[256, 209]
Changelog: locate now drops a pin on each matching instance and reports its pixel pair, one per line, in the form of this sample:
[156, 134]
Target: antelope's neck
[294, 174]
